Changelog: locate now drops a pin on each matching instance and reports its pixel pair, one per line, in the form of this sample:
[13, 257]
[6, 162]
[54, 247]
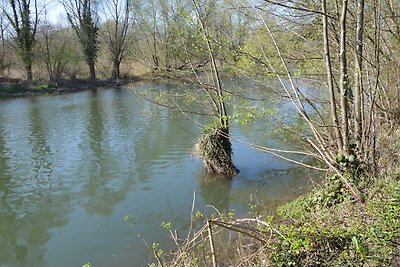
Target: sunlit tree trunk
[358, 88]
[344, 81]
[334, 117]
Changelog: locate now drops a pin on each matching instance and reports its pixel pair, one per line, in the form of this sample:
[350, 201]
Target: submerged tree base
[215, 149]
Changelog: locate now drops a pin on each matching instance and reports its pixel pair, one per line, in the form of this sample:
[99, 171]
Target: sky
[56, 12]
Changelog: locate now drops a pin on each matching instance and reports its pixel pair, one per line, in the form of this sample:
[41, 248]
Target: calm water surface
[89, 177]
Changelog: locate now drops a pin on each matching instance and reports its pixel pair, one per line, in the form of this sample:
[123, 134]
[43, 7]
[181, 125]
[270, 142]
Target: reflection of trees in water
[274, 186]
[27, 211]
[115, 141]
[215, 190]
[101, 197]
[157, 145]
[41, 153]
[4, 169]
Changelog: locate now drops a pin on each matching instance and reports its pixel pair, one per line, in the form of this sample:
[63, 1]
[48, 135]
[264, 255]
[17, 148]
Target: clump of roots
[215, 149]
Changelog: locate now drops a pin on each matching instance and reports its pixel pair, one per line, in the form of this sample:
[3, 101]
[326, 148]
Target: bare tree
[118, 24]
[82, 18]
[3, 56]
[24, 23]
[53, 49]
[148, 22]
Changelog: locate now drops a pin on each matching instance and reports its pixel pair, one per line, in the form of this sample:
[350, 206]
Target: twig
[232, 227]
[210, 237]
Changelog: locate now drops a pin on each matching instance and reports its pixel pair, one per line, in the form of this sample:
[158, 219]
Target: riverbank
[18, 88]
[326, 227]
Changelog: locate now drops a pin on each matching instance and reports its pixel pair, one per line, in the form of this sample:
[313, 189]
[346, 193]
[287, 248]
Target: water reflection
[215, 190]
[101, 197]
[270, 187]
[72, 166]
[41, 153]
[27, 210]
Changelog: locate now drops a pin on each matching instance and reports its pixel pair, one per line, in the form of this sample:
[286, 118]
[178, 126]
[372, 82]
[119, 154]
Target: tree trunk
[216, 145]
[344, 83]
[28, 70]
[358, 89]
[215, 148]
[328, 64]
[116, 70]
[92, 71]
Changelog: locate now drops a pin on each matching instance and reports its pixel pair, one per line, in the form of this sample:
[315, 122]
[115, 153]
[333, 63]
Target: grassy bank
[327, 227]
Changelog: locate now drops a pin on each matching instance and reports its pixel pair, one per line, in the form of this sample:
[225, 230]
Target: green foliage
[43, 86]
[166, 225]
[333, 192]
[130, 219]
[327, 228]
[247, 113]
[198, 214]
[158, 252]
[312, 231]
[350, 163]
[308, 244]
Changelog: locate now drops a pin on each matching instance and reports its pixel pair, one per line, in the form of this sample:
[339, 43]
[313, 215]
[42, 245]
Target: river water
[90, 177]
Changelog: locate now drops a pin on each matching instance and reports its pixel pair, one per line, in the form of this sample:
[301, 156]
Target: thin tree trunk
[344, 83]
[155, 30]
[328, 63]
[3, 47]
[358, 88]
[215, 73]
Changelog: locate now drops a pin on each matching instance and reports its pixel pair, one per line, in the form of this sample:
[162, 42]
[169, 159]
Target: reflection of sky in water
[73, 166]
